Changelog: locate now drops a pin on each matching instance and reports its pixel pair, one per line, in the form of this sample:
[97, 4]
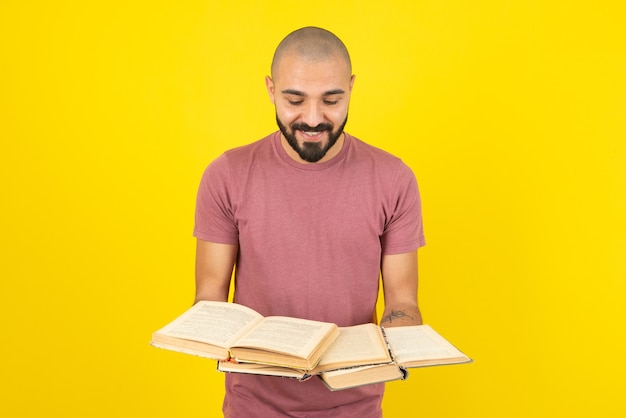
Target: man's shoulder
[260, 146]
[364, 151]
[245, 155]
[239, 159]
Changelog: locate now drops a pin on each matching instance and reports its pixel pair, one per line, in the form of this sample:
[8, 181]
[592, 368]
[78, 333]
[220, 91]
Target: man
[311, 217]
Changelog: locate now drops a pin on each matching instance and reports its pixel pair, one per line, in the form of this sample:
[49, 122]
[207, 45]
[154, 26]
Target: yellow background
[511, 113]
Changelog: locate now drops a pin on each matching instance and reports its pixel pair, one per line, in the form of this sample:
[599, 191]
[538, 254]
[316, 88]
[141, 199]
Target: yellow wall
[512, 115]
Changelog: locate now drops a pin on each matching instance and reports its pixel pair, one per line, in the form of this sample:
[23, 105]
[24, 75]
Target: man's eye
[295, 102]
[331, 102]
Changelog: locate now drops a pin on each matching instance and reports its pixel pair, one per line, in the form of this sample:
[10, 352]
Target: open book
[409, 347]
[222, 331]
[364, 354]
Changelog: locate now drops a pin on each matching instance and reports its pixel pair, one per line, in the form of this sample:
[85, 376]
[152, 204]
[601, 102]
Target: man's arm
[399, 273]
[214, 268]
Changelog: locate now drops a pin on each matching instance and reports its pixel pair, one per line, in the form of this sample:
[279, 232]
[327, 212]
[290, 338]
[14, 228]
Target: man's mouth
[312, 134]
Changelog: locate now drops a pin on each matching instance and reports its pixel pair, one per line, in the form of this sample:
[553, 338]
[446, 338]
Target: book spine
[387, 344]
[404, 371]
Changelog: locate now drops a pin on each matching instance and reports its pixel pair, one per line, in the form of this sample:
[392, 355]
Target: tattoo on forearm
[394, 315]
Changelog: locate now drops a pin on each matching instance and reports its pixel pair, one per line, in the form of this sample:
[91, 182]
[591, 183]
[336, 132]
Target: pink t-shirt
[310, 242]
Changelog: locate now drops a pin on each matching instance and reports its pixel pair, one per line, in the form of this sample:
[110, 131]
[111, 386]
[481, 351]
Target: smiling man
[312, 218]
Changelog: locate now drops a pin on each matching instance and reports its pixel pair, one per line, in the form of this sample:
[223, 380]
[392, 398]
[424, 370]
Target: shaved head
[311, 44]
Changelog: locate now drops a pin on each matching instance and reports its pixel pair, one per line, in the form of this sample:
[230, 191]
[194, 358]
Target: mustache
[306, 128]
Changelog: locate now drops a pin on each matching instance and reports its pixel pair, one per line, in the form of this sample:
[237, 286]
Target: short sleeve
[214, 220]
[404, 231]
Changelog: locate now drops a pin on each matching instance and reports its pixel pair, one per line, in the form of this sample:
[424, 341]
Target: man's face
[311, 100]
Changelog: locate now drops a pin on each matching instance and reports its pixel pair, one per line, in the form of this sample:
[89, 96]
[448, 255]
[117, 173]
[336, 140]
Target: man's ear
[269, 84]
[352, 81]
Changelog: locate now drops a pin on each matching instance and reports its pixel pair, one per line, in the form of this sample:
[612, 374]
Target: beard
[311, 152]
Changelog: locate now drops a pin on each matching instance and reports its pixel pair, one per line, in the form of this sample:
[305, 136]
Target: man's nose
[313, 115]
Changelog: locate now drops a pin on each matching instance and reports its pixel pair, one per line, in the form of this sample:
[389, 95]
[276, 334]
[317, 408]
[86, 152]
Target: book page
[293, 336]
[216, 323]
[356, 344]
[419, 342]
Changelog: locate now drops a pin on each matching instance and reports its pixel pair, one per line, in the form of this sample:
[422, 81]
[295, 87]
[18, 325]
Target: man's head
[310, 87]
